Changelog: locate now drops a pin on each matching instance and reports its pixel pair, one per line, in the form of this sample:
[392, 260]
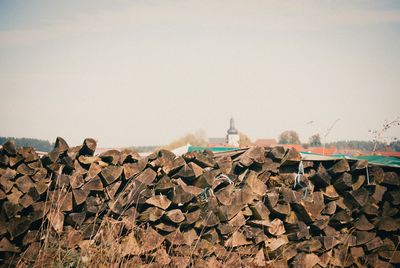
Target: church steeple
[232, 129]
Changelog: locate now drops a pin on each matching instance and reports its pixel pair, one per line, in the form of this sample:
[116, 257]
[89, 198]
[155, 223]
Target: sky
[147, 72]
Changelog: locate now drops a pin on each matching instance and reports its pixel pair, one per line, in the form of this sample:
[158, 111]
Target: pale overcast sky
[147, 72]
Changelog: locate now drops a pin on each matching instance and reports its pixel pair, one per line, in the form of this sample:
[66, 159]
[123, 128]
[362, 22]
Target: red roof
[265, 142]
[321, 150]
[298, 147]
[393, 154]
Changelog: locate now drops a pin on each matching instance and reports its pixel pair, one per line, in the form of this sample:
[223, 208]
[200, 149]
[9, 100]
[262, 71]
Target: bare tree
[244, 140]
[327, 133]
[315, 140]
[289, 137]
[197, 139]
[378, 134]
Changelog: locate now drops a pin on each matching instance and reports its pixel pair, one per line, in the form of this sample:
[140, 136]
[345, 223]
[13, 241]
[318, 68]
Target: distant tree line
[39, 145]
[144, 149]
[366, 145]
[292, 137]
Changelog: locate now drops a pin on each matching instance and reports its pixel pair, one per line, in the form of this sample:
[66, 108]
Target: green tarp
[380, 160]
[373, 159]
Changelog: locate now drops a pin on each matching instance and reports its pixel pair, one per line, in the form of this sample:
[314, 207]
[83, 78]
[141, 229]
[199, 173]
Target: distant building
[232, 137]
[231, 140]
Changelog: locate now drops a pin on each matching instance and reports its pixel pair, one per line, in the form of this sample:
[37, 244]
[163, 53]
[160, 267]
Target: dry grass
[105, 248]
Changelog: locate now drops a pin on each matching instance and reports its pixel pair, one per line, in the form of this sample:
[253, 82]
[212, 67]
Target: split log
[111, 173]
[321, 177]
[159, 201]
[340, 166]
[10, 148]
[89, 146]
[175, 215]
[344, 182]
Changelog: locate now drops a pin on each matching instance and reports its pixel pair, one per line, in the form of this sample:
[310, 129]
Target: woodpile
[253, 207]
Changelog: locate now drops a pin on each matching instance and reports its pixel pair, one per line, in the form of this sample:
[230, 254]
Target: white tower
[232, 137]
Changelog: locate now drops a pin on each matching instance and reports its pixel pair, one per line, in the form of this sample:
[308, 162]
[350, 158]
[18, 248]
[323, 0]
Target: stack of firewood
[251, 207]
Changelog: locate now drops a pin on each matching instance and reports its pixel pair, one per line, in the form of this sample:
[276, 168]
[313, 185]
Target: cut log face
[80, 196]
[94, 184]
[203, 159]
[237, 239]
[197, 170]
[224, 195]
[237, 221]
[309, 210]
[273, 244]
[291, 157]
[358, 183]
[129, 246]
[363, 224]
[6, 184]
[151, 214]
[66, 202]
[340, 166]
[276, 227]
[391, 178]
[146, 177]
[18, 226]
[76, 218]
[151, 240]
[185, 172]
[171, 167]
[179, 196]
[330, 208]
[257, 186]
[164, 185]
[24, 183]
[207, 179]
[379, 191]
[111, 156]
[344, 182]
[76, 181]
[26, 200]
[164, 227]
[6, 246]
[89, 146]
[321, 177]
[132, 169]
[10, 148]
[388, 224]
[112, 189]
[225, 164]
[278, 152]
[359, 197]
[3, 159]
[177, 238]
[306, 260]
[160, 201]
[359, 165]
[61, 145]
[88, 160]
[93, 171]
[111, 173]
[25, 170]
[260, 211]
[330, 193]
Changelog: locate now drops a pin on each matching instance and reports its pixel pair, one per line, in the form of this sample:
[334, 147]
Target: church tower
[232, 137]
